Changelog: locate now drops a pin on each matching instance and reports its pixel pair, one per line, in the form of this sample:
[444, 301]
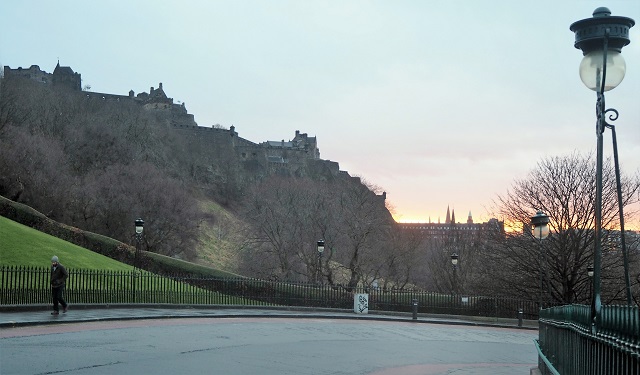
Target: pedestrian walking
[59, 276]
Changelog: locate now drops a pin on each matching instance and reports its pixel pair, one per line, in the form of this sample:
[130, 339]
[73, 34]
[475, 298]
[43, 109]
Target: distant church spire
[448, 219]
[469, 219]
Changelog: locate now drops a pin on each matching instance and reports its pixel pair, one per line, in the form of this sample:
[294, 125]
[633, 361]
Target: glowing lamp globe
[591, 70]
[595, 35]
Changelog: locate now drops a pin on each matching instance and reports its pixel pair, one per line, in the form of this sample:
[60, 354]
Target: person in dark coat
[59, 276]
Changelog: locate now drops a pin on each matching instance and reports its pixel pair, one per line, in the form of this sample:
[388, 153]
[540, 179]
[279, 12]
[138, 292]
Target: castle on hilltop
[443, 230]
[299, 156]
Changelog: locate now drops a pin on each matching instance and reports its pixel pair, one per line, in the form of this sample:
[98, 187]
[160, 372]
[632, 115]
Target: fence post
[133, 286]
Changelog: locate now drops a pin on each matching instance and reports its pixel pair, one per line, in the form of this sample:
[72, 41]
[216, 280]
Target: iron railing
[569, 345]
[30, 285]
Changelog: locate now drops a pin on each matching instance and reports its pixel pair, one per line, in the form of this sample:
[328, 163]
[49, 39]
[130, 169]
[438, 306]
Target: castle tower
[469, 219]
[64, 76]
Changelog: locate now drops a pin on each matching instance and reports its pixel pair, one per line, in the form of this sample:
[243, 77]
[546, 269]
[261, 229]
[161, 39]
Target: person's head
[54, 260]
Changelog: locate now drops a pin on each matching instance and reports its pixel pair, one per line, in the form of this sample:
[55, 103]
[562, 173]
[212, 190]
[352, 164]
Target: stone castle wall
[33, 72]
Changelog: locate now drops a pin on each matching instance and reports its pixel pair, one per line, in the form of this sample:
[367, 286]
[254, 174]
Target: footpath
[30, 315]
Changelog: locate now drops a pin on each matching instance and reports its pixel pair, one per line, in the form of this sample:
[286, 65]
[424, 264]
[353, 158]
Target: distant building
[444, 230]
[65, 77]
[62, 76]
[301, 142]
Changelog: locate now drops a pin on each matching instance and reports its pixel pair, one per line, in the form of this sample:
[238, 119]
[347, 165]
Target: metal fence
[30, 285]
[569, 345]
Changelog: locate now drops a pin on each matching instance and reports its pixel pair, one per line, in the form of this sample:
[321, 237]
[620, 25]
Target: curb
[303, 313]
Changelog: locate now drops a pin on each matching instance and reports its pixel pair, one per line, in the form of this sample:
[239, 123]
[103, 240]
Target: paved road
[264, 345]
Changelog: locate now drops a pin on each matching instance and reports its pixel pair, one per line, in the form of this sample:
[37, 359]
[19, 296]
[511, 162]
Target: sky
[438, 103]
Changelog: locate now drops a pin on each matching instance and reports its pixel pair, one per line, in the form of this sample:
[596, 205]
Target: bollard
[415, 309]
[520, 313]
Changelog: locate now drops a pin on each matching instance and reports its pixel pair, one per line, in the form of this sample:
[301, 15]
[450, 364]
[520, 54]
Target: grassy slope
[20, 249]
[24, 246]
[220, 242]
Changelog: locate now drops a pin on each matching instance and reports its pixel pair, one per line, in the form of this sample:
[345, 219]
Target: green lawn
[24, 246]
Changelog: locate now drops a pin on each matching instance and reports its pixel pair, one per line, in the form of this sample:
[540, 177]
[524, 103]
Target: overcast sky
[439, 103]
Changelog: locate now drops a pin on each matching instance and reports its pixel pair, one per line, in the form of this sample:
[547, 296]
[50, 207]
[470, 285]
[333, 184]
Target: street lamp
[139, 223]
[540, 225]
[601, 39]
[320, 251]
[454, 262]
[540, 229]
[139, 226]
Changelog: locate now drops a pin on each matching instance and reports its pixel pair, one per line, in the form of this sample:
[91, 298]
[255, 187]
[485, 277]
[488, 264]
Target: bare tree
[34, 171]
[402, 260]
[290, 214]
[111, 199]
[279, 212]
[563, 188]
[364, 224]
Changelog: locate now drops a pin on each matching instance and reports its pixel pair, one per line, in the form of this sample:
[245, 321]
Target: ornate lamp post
[540, 226]
[454, 262]
[320, 251]
[601, 39]
[139, 223]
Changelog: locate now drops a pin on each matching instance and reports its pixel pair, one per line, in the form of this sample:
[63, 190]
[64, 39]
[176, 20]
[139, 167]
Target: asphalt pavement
[236, 340]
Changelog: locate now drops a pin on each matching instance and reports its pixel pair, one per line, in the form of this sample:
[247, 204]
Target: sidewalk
[29, 315]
